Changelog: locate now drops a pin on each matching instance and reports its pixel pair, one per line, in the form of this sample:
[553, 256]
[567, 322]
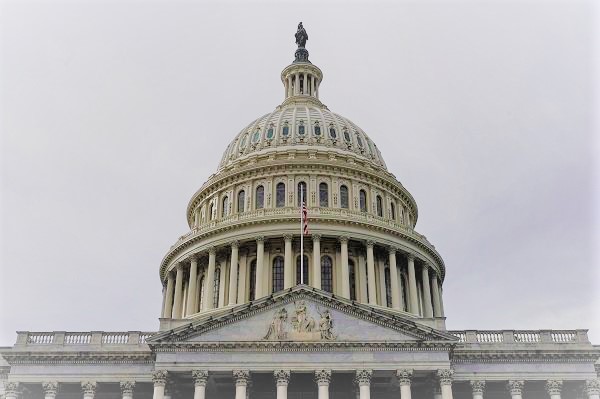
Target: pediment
[302, 314]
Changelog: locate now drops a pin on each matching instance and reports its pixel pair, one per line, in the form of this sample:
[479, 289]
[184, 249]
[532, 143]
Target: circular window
[317, 130]
[332, 133]
[270, 133]
[256, 136]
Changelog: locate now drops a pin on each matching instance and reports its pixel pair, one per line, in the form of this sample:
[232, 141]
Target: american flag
[304, 219]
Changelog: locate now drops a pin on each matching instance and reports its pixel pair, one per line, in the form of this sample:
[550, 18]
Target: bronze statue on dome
[301, 36]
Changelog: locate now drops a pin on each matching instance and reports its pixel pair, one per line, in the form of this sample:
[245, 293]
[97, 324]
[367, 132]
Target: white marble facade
[363, 317]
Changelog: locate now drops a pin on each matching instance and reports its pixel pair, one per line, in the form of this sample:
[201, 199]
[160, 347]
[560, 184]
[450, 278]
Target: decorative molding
[282, 377]
[159, 378]
[553, 387]
[127, 387]
[12, 388]
[445, 376]
[50, 388]
[363, 377]
[88, 388]
[323, 377]
[515, 387]
[200, 377]
[478, 386]
[404, 376]
[241, 377]
[592, 387]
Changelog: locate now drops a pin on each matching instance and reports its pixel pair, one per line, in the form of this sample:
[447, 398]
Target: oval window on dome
[270, 133]
[347, 136]
[256, 136]
[317, 130]
[285, 131]
[301, 130]
[359, 141]
[332, 132]
[243, 142]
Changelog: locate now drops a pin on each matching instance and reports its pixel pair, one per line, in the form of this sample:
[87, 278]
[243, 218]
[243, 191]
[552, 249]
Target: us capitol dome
[302, 276]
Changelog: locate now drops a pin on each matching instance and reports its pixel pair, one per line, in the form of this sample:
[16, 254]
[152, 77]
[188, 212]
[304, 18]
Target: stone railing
[511, 337]
[62, 338]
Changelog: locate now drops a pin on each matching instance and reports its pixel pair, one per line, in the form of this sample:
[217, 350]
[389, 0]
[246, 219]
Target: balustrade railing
[82, 338]
[511, 337]
[78, 338]
[40, 338]
[115, 338]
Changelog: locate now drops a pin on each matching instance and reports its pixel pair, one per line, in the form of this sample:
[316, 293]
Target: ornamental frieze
[301, 326]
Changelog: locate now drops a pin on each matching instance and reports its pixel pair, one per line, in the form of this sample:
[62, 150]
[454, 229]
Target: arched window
[326, 274]
[305, 267]
[352, 277]
[260, 197]
[379, 206]
[277, 274]
[280, 195]
[217, 284]
[201, 293]
[241, 201]
[392, 211]
[363, 200]
[344, 197]
[302, 188]
[285, 130]
[323, 195]
[225, 209]
[252, 285]
[388, 287]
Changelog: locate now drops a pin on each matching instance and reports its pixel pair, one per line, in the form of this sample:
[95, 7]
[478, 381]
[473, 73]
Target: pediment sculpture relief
[301, 326]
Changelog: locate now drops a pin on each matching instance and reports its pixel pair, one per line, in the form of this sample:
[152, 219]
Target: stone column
[363, 380]
[478, 386]
[437, 307]
[345, 271]
[404, 377]
[282, 377]
[177, 306]
[413, 301]
[554, 387]
[260, 267]
[89, 389]
[371, 273]
[428, 308]
[127, 389]
[592, 389]
[233, 273]
[323, 378]
[11, 390]
[209, 280]
[200, 377]
[297, 84]
[445, 376]
[168, 310]
[190, 306]
[288, 280]
[305, 88]
[394, 279]
[50, 389]
[515, 388]
[241, 381]
[159, 378]
[316, 272]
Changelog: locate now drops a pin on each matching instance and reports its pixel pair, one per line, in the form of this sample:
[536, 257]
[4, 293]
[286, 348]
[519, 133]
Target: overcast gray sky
[114, 113]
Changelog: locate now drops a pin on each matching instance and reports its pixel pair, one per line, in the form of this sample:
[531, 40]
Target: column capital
[478, 386]
[260, 239]
[50, 388]
[592, 387]
[193, 258]
[445, 376]
[316, 237]
[363, 377]
[553, 387]
[282, 377]
[159, 378]
[127, 387]
[11, 388]
[88, 387]
[392, 249]
[411, 256]
[234, 244]
[212, 250]
[288, 237]
[515, 387]
[241, 377]
[200, 377]
[343, 239]
[323, 377]
[370, 243]
[404, 376]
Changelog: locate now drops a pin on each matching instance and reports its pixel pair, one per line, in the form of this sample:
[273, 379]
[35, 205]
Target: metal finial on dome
[301, 38]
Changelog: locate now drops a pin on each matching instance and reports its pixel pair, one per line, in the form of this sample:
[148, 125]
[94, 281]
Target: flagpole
[301, 234]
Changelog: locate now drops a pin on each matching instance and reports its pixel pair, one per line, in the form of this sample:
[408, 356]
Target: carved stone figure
[277, 327]
[301, 321]
[301, 36]
[326, 325]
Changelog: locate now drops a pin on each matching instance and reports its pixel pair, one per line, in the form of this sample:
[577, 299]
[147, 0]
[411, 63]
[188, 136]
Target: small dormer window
[347, 136]
[285, 131]
[359, 141]
[332, 132]
[317, 130]
[270, 132]
[256, 136]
